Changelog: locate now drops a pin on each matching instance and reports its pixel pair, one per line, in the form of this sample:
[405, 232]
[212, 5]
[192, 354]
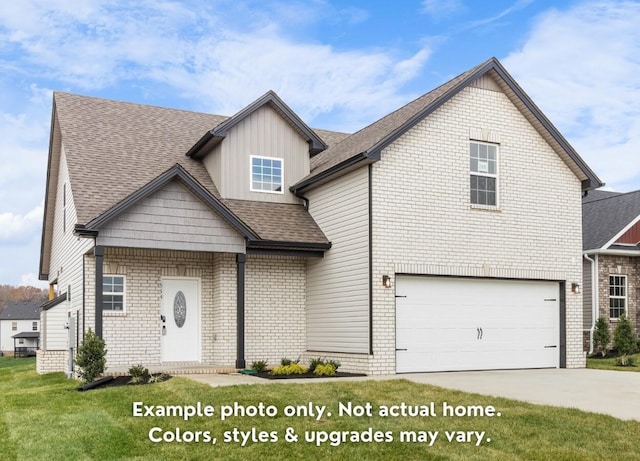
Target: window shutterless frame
[266, 174]
[113, 293]
[617, 295]
[483, 174]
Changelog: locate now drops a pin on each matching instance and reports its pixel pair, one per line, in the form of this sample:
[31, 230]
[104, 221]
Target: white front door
[180, 320]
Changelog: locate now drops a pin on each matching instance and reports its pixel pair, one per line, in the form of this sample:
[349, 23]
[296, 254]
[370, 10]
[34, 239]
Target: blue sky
[339, 64]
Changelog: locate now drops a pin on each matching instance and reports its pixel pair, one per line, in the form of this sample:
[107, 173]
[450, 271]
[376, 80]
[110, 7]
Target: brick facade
[423, 222]
[619, 265]
[274, 305]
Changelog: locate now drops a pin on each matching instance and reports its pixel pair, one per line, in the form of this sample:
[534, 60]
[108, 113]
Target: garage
[452, 324]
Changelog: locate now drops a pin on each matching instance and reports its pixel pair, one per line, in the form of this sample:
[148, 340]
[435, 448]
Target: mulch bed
[339, 374]
[112, 381]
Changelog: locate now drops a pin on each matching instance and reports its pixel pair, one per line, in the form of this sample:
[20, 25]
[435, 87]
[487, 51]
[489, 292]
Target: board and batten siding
[263, 133]
[338, 284]
[171, 219]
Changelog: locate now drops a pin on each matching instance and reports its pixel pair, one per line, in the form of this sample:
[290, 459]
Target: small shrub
[91, 357]
[285, 361]
[325, 370]
[313, 363]
[335, 364]
[161, 377]
[624, 340]
[625, 361]
[601, 336]
[139, 374]
[291, 369]
[259, 365]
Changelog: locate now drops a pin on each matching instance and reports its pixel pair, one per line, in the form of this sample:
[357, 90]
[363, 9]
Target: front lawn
[609, 363]
[45, 418]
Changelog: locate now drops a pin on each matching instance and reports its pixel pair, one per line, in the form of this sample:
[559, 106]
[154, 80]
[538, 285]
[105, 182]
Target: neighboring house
[611, 267]
[432, 239]
[20, 327]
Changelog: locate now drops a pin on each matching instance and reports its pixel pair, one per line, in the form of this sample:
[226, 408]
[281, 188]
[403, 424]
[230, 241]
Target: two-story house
[444, 236]
[20, 328]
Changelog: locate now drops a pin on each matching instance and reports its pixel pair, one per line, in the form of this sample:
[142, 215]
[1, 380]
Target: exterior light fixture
[575, 288]
[386, 281]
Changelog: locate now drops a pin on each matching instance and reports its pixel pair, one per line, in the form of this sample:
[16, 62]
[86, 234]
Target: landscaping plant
[601, 336]
[91, 357]
[624, 341]
[139, 374]
[259, 365]
[291, 369]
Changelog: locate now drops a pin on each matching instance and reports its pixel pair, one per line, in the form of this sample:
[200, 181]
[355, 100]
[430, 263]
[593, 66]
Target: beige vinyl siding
[213, 163]
[66, 253]
[54, 335]
[338, 284]
[486, 82]
[263, 133]
[172, 219]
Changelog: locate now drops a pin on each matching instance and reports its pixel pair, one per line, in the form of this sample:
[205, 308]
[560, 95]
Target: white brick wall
[275, 320]
[423, 223]
[274, 305]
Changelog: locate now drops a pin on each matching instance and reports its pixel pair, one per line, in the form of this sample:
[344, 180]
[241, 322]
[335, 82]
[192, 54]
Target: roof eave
[361, 159]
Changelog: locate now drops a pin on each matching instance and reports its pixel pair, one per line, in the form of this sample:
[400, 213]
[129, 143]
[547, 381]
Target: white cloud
[31, 280]
[15, 227]
[581, 65]
[439, 9]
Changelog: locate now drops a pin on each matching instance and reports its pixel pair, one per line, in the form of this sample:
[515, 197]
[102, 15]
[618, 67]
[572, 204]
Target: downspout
[594, 299]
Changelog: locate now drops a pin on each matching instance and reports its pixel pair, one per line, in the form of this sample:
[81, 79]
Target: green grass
[610, 364]
[45, 418]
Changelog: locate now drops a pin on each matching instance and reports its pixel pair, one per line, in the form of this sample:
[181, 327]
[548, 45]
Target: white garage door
[448, 323]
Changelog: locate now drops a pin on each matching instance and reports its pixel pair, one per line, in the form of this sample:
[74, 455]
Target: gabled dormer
[260, 152]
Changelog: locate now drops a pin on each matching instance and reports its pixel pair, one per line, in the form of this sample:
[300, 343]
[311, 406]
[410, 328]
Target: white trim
[626, 289]
[495, 175]
[613, 252]
[621, 233]
[281, 160]
[123, 311]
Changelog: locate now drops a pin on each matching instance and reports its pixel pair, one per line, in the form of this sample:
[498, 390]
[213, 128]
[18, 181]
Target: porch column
[240, 262]
[98, 252]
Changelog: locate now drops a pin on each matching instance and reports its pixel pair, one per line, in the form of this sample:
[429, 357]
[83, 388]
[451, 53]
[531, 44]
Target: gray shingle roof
[134, 144]
[598, 194]
[604, 217]
[21, 310]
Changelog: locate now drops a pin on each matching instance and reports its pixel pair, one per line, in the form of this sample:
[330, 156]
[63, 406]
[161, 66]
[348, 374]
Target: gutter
[594, 297]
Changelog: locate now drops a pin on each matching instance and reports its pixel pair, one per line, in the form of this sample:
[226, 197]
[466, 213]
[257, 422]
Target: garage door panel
[448, 323]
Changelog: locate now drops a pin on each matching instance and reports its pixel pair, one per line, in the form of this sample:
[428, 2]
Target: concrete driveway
[614, 393]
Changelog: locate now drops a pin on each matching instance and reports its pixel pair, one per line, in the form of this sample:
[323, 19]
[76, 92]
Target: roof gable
[606, 220]
[177, 172]
[217, 134]
[366, 145]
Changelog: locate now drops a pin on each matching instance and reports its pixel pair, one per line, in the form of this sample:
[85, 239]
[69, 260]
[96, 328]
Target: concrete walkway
[614, 393]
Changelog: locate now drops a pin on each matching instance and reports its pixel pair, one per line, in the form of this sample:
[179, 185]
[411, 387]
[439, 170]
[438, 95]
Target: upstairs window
[617, 295]
[483, 168]
[34, 326]
[266, 174]
[113, 293]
